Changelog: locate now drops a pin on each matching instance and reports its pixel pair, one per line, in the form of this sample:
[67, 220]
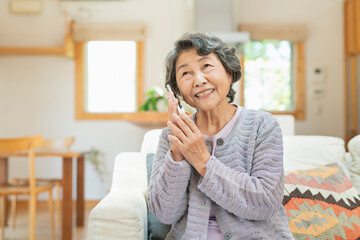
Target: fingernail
[183, 115]
[175, 115]
[168, 123]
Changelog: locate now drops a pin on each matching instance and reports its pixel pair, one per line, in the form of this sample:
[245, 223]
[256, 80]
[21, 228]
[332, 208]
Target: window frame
[80, 86]
[299, 83]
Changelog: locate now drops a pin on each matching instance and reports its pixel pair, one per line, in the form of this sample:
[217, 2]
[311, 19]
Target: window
[268, 75]
[273, 71]
[109, 80]
[109, 76]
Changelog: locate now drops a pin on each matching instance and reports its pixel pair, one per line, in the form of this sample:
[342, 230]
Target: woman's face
[202, 80]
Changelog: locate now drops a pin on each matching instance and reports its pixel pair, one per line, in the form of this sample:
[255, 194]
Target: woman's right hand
[172, 109]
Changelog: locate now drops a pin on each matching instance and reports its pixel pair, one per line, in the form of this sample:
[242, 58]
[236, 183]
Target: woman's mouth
[204, 93]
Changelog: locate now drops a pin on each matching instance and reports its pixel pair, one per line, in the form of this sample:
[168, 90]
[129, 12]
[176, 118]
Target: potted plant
[96, 158]
[153, 96]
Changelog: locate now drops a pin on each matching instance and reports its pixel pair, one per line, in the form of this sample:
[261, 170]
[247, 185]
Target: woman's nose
[200, 80]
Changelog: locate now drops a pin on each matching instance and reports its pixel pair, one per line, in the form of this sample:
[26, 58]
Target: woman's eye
[185, 73]
[207, 65]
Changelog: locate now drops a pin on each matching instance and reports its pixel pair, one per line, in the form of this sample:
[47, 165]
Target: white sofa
[122, 213]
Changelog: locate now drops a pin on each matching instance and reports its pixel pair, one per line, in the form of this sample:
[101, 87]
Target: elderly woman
[217, 174]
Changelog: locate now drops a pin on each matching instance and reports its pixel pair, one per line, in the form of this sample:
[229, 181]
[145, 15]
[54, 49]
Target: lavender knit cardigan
[244, 183]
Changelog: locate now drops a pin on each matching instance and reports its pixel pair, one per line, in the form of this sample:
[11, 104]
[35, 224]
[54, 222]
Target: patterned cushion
[322, 203]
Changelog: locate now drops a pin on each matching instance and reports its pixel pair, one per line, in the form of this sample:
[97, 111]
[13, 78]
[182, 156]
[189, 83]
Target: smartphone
[180, 110]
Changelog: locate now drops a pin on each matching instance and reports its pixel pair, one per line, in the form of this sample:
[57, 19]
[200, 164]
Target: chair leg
[13, 211]
[58, 205]
[3, 199]
[32, 217]
[52, 219]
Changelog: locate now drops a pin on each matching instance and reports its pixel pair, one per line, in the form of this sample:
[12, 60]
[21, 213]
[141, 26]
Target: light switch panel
[319, 75]
[318, 91]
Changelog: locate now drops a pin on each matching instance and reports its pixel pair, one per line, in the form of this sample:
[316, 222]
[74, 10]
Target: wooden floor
[43, 231]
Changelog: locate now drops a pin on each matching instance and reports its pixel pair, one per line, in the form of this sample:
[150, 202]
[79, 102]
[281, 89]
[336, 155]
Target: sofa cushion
[129, 172]
[150, 141]
[287, 124]
[322, 203]
[307, 151]
[156, 229]
[354, 161]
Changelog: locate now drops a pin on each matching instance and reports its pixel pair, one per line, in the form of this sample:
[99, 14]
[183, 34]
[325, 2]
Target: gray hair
[204, 44]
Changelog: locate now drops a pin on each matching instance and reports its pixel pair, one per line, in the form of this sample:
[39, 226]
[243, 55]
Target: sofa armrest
[120, 215]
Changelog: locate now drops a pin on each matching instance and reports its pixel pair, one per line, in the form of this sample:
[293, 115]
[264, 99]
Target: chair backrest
[58, 143]
[12, 145]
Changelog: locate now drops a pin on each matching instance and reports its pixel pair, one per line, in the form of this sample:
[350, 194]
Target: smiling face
[202, 80]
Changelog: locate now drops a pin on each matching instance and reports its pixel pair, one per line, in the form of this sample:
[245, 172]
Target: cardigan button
[220, 141]
[227, 236]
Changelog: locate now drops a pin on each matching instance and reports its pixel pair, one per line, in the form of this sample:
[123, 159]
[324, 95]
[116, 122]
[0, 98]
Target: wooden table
[66, 182]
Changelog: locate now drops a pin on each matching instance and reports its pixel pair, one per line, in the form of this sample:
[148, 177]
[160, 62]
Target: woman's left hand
[189, 139]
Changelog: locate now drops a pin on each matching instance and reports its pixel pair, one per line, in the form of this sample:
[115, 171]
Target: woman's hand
[190, 141]
[172, 109]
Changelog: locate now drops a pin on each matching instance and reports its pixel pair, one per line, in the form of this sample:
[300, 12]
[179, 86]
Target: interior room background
[37, 93]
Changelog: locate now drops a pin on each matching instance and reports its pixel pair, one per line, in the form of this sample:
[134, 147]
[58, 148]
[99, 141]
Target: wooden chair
[48, 145]
[32, 189]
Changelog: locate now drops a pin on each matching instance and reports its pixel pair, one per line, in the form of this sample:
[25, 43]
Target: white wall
[37, 92]
[323, 48]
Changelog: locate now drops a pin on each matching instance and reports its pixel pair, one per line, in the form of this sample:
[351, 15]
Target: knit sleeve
[168, 197]
[256, 194]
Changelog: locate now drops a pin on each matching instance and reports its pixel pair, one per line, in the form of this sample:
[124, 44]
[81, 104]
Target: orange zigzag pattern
[351, 234]
[295, 202]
